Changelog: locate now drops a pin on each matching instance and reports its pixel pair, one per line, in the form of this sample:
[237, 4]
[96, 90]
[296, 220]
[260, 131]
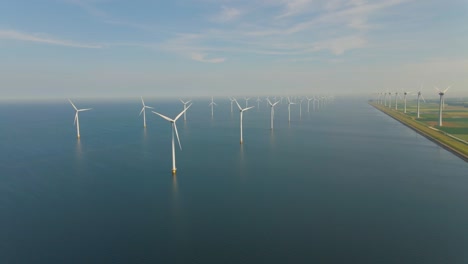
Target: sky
[122, 48]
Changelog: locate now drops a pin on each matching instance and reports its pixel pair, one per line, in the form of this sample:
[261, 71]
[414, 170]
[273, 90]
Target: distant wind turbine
[420, 96]
[441, 102]
[212, 104]
[232, 101]
[289, 109]
[77, 120]
[272, 112]
[242, 110]
[247, 101]
[144, 112]
[258, 102]
[300, 108]
[308, 103]
[185, 107]
[174, 128]
[405, 93]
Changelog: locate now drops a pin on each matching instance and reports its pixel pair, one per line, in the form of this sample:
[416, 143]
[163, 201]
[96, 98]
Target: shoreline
[439, 137]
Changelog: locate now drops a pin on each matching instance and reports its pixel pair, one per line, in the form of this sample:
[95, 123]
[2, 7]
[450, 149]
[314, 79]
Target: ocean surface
[345, 184]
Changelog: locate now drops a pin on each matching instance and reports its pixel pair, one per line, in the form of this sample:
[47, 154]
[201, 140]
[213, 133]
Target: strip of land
[441, 138]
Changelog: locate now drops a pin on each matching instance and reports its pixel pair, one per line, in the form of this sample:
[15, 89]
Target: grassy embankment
[439, 137]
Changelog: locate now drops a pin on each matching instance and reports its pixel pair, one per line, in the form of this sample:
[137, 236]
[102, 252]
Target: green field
[455, 123]
[454, 118]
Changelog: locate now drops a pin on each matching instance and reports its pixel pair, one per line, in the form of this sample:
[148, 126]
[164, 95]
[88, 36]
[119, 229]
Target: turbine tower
[241, 110]
[396, 100]
[289, 109]
[232, 101]
[404, 98]
[308, 104]
[144, 112]
[272, 112]
[246, 101]
[174, 128]
[389, 100]
[441, 102]
[300, 108]
[212, 104]
[185, 107]
[258, 102]
[420, 96]
[77, 120]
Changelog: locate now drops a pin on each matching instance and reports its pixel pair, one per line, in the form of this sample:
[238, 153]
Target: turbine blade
[177, 134]
[182, 101]
[86, 109]
[163, 116]
[275, 103]
[143, 109]
[73, 104]
[240, 108]
[269, 102]
[143, 102]
[76, 117]
[422, 97]
[181, 113]
[447, 89]
[149, 107]
[188, 101]
[437, 88]
[248, 108]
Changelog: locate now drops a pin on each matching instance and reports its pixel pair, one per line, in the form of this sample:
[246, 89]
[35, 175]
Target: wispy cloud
[40, 38]
[202, 58]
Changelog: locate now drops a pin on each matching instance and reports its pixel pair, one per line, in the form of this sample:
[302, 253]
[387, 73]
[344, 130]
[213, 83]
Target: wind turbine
[258, 102]
[241, 110]
[308, 103]
[389, 100]
[272, 112]
[404, 98]
[385, 99]
[185, 107]
[246, 101]
[174, 127]
[441, 93]
[289, 109]
[300, 108]
[420, 96]
[77, 120]
[212, 104]
[396, 100]
[144, 112]
[232, 101]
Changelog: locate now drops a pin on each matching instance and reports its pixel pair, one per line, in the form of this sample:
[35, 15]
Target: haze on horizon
[117, 48]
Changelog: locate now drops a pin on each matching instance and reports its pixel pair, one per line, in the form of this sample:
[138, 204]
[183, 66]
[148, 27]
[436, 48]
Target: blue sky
[117, 48]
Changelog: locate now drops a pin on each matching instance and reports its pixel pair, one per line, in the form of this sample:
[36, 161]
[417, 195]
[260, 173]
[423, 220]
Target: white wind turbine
[441, 103]
[174, 128]
[389, 100]
[300, 107]
[143, 110]
[405, 93]
[396, 100]
[246, 101]
[420, 96]
[212, 104]
[272, 112]
[185, 107]
[258, 102]
[241, 110]
[308, 103]
[289, 109]
[232, 101]
[77, 120]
